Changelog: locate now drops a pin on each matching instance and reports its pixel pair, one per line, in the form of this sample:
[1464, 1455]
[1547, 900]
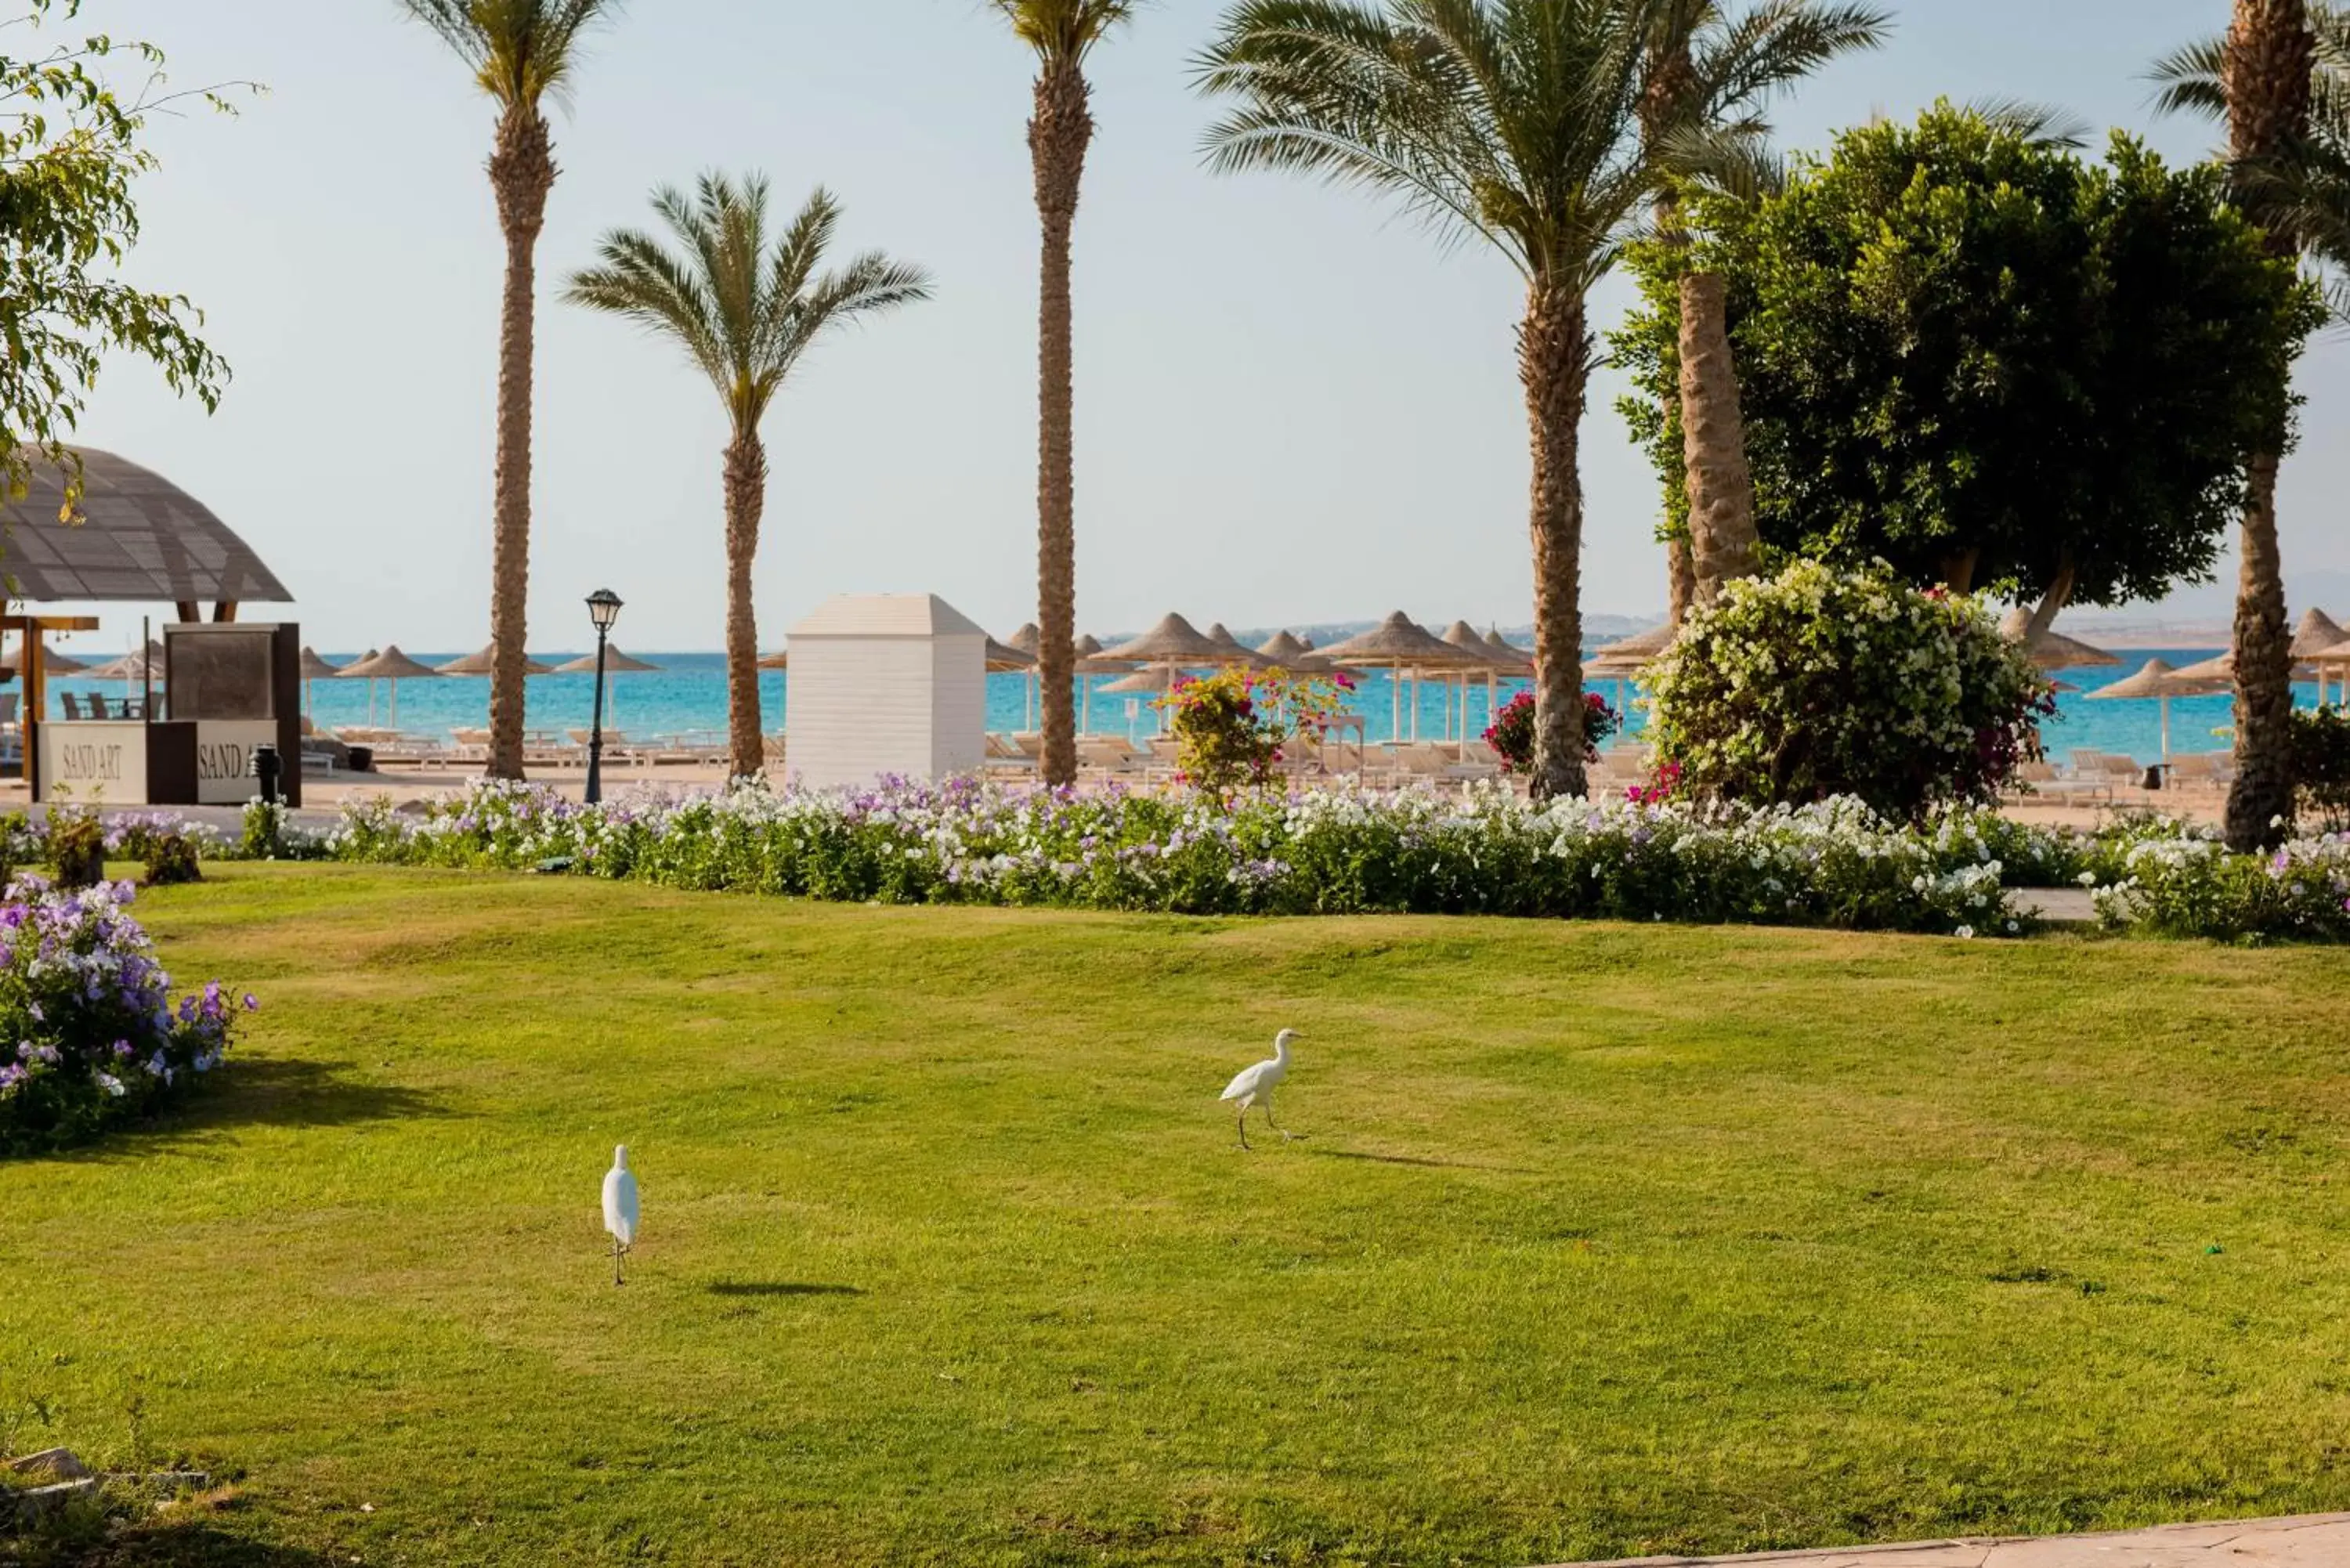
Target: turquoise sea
[688, 695]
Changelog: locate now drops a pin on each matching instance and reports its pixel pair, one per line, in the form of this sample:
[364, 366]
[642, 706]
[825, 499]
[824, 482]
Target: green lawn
[1605, 1239]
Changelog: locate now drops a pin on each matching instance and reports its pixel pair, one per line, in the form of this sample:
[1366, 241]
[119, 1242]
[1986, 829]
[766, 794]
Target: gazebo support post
[224, 611]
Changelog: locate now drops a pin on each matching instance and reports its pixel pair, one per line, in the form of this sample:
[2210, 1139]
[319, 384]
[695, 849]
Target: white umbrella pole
[395, 704]
[2166, 730]
[1395, 703]
[1085, 716]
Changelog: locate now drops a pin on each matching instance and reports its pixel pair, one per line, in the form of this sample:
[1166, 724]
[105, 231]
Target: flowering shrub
[1230, 727]
[87, 1035]
[1482, 850]
[2321, 766]
[1511, 733]
[2188, 884]
[1819, 683]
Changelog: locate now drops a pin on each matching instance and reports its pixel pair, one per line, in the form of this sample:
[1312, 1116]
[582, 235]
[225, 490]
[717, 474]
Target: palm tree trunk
[1555, 365]
[2270, 53]
[521, 173]
[1722, 536]
[1681, 580]
[746, 500]
[1058, 139]
[2261, 801]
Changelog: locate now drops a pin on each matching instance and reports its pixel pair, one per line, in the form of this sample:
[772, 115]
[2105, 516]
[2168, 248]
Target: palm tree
[1712, 71]
[1063, 33]
[2264, 73]
[522, 52]
[744, 315]
[1513, 120]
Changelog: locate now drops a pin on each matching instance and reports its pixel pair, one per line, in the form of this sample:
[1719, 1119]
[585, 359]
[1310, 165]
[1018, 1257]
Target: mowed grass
[1607, 1240]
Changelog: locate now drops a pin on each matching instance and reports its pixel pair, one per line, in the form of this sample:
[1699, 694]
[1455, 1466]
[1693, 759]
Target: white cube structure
[885, 683]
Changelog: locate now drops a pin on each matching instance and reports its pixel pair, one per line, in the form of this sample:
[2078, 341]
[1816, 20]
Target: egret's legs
[1286, 1135]
[1244, 1142]
[618, 1253]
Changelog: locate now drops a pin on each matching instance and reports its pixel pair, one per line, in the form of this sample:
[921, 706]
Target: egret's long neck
[1281, 1049]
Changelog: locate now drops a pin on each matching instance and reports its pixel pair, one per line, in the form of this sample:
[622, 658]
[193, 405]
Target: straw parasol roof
[2319, 633]
[1088, 645]
[1501, 660]
[1152, 680]
[1397, 642]
[1002, 656]
[1293, 653]
[390, 664]
[2157, 678]
[1173, 640]
[2052, 650]
[1235, 651]
[52, 660]
[615, 663]
[2222, 669]
[130, 667]
[314, 668]
[482, 663]
[779, 659]
[1027, 639]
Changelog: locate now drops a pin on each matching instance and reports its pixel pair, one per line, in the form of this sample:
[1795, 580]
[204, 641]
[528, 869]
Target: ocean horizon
[686, 696]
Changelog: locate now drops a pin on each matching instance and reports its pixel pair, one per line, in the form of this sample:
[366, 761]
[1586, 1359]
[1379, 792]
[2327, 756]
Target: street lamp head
[603, 608]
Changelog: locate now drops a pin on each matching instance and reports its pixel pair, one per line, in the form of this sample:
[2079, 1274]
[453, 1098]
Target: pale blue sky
[1292, 406]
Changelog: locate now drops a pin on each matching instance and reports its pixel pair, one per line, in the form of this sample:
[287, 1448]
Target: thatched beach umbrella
[615, 663]
[485, 663]
[53, 663]
[390, 664]
[1397, 644]
[1236, 654]
[1173, 640]
[2052, 650]
[1293, 653]
[130, 667]
[1493, 662]
[2318, 633]
[2160, 681]
[313, 669]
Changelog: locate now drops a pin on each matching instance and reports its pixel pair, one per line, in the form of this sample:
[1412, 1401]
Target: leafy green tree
[2281, 79]
[1060, 128]
[522, 53]
[1968, 352]
[1716, 66]
[70, 149]
[1515, 121]
[745, 313]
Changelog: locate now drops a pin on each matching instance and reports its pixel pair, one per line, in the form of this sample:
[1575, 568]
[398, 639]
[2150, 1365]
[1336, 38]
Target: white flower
[1964, 933]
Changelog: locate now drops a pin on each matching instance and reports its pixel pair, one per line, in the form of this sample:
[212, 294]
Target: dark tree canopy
[1986, 360]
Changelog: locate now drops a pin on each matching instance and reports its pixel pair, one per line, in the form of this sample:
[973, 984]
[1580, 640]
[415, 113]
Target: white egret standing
[620, 1208]
[1253, 1086]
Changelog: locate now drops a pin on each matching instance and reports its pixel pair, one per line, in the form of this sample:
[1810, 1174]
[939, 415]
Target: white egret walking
[620, 1208]
[1253, 1086]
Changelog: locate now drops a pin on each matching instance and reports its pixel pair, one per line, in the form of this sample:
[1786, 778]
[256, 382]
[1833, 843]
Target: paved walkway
[2314, 1541]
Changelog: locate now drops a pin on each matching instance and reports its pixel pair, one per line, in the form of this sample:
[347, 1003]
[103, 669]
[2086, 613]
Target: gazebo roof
[2158, 678]
[141, 540]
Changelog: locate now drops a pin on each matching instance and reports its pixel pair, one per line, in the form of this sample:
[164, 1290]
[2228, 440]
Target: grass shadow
[191, 1545]
[1419, 1161]
[271, 1093]
[779, 1288]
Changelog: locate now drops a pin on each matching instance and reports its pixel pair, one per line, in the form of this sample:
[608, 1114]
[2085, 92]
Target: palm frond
[1508, 119]
[1065, 30]
[1741, 63]
[744, 311]
[522, 52]
[2037, 123]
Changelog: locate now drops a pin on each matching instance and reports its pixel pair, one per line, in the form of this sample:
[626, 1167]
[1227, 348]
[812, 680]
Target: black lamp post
[603, 608]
